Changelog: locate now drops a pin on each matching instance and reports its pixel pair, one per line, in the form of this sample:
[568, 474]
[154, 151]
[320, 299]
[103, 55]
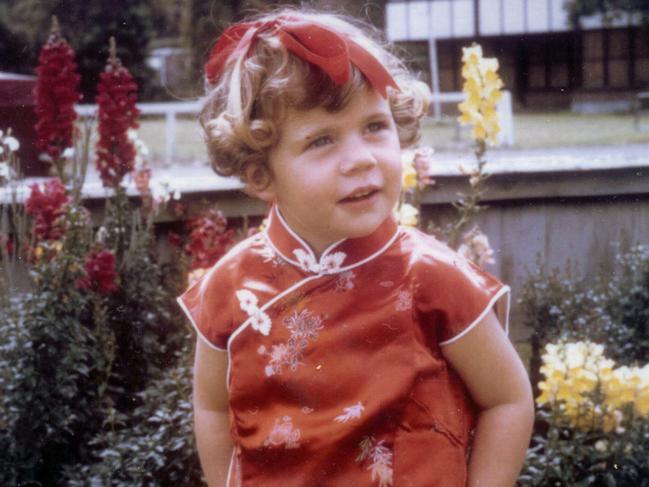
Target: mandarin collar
[338, 257]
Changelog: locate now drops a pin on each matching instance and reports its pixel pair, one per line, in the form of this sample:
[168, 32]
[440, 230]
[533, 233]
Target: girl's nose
[357, 156]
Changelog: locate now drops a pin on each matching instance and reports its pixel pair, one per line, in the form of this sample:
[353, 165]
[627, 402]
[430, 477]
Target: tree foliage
[203, 23]
[91, 25]
[15, 53]
[609, 9]
[88, 27]
[24, 27]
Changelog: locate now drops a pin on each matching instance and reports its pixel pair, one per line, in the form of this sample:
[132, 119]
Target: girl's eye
[376, 126]
[320, 142]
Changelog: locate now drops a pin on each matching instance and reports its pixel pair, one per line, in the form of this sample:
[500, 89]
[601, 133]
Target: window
[449, 56]
[593, 58]
[618, 58]
[641, 46]
[548, 59]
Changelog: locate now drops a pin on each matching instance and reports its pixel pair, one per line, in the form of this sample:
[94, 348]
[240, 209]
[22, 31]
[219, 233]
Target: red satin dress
[336, 376]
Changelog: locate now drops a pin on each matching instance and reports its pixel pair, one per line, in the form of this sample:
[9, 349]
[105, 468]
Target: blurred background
[574, 68]
[564, 204]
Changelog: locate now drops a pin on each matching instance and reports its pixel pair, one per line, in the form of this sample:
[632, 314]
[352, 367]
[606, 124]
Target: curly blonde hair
[243, 109]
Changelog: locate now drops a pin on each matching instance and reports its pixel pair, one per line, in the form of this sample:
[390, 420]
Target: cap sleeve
[459, 294]
[207, 304]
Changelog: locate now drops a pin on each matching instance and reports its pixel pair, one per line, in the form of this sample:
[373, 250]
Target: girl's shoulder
[439, 274]
[211, 301]
[427, 251]
[243, 258]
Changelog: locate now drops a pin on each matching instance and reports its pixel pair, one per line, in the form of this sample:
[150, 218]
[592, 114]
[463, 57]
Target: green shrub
[563, 456]
[142, 312]
[84, 369]
[154, 443]
[54, 368]
[628, 301]
[612, 312]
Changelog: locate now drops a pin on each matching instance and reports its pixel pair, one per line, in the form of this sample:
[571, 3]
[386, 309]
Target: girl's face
[336, 175]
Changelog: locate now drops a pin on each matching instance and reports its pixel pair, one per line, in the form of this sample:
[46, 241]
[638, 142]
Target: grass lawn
[189, 143]
[531, 130]
[538, 130]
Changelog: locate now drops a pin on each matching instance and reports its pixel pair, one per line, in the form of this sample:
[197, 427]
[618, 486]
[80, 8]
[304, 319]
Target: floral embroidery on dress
[304, 327]
[247, 300]
[269, 255]
[283, 433]
[307, 261]
[329, 263]
[404, 301]
[345, 281]
[378, 459]
[351, 412]
[258, 319]
[332, 262]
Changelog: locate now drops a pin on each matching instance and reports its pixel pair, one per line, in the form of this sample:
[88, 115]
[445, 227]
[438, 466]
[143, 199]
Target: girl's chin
[364, 228]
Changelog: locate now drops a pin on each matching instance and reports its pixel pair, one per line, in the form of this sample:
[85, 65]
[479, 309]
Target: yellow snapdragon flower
[409, 177]
[577, 372]
[38, 252]
[482, 89]
[620, 388]
[408, 215]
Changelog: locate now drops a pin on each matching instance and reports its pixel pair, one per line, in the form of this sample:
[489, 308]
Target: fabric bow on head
[313, 42]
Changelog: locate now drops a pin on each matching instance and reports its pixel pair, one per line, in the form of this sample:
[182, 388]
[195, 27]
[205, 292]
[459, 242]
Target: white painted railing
[172, 109]
[504, 109]
[169, 110]
[640, 108]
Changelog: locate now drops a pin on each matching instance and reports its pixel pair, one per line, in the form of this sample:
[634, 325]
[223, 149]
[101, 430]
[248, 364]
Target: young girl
[336, 348]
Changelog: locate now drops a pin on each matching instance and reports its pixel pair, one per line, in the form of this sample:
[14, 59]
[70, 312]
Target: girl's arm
[492, 371]
[211, 420]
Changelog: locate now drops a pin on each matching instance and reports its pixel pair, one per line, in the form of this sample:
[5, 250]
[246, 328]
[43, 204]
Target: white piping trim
[229, 477]
[327, 250]
[373, 256]
[264, 307]
[505, 290]
[291, 261]
[236, 248]
[191, 319]
[295, 235]
[331, 247]
[507, 308]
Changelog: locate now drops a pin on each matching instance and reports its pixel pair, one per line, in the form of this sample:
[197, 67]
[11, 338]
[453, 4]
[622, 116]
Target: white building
[544, 60]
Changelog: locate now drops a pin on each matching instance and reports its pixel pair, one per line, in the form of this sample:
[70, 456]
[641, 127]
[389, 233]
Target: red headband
[310, 41]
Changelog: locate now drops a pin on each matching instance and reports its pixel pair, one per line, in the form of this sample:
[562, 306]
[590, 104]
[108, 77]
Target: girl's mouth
[360, 196]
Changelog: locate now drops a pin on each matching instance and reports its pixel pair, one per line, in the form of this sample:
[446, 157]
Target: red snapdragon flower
[100, 272]
[55, 94]
[47, 207]
[175, 240]
[116, 97]
[7, 243]
[209, 239]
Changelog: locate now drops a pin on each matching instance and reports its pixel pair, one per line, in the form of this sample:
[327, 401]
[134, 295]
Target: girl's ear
[259, 183]
[266, 194]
